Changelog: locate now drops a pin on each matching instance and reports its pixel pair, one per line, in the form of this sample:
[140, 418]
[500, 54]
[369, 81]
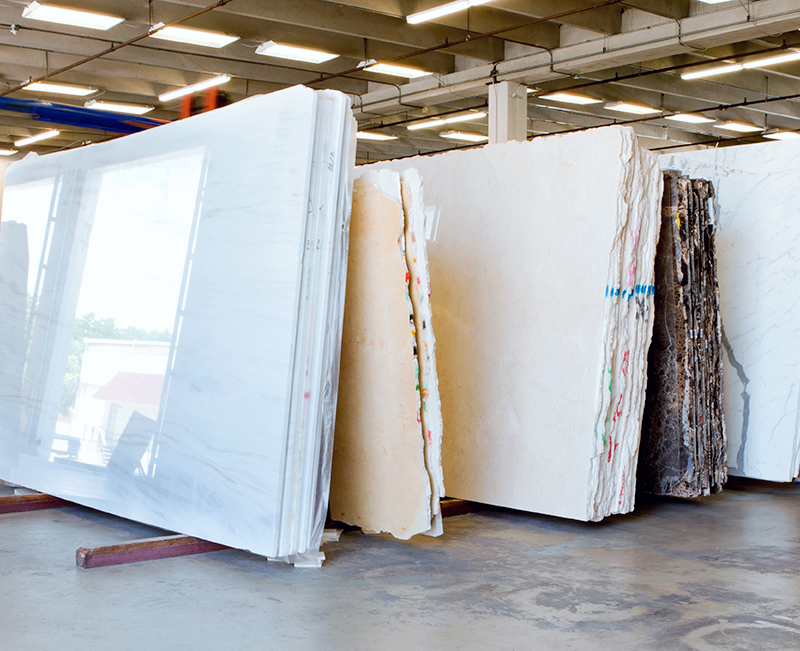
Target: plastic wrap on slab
[181, 336]
[684, 449]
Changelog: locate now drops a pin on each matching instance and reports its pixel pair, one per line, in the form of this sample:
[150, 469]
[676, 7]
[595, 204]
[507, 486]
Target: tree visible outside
[90, 327]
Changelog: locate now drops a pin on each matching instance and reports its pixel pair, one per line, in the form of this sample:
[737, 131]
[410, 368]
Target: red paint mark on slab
[625, 359]
[618, 410]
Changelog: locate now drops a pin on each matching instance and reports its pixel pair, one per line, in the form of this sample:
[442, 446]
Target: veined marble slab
[758, 211]
[541, 256]
[223, 239]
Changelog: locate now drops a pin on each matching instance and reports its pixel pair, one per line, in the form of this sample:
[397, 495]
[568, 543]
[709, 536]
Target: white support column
[508, 112]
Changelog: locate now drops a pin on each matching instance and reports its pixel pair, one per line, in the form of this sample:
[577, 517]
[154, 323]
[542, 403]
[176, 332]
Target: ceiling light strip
[736, 67]
[464, 136]
[772, 61]
[570, 98]
[438, 122]
[116, 107]
[372, 135]
[783, 135]
[71, 17]
[38, 137]
[396, 71]
[689, 118]
[59, 89]
[200, 85]
[294, 53]
[635, 109]
[711, 72]
[740, 127]
[201, 37]
[442, 10]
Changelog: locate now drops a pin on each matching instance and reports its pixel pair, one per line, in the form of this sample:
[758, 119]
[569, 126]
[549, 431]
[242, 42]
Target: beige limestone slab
[379, 480]
[541, 371]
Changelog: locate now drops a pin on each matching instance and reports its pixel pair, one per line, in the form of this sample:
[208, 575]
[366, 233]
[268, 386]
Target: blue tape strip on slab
[646, 290]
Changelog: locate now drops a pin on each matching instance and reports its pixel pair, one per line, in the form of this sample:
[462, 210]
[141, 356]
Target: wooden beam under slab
[147, 549]
[451, 506]
[33, 502]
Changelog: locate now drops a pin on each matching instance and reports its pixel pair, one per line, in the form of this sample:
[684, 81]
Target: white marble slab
[541, 260]
[191, 236]
[758, 209]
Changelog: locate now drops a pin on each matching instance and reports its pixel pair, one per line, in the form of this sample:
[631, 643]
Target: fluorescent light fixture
[396, 71]
[195, 36]
[60, 89]
[772, 61]
[428, 124]
[200, 85]
[115, 107]
[39, 136]
[438, 122]
[636, 109]
[280, 51]
[691, 118]
[735, 67]
[374, 135]
[710, 72]
[741, 127]
[466, 137]
[570, 98]
[782, 135]
[443, 10]
[74, 17]
[465, 117]
[7, 152]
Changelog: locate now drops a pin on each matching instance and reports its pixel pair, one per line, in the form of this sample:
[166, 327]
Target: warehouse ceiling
[633, 51]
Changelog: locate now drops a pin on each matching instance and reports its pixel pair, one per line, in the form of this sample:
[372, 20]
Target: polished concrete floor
[719, 573]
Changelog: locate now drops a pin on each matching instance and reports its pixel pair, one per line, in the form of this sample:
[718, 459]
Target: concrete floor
[720, 573]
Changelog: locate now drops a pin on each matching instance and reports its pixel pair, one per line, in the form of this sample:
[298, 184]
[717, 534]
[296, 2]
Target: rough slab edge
[147, 549]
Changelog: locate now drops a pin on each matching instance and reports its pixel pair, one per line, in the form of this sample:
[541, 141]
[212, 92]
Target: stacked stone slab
[684, 448]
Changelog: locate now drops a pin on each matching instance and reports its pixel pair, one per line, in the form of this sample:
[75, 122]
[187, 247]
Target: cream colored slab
[379, 479]
[542, 263]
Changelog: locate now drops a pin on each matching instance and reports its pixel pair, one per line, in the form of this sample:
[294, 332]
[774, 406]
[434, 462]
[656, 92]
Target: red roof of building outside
[133, 388]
